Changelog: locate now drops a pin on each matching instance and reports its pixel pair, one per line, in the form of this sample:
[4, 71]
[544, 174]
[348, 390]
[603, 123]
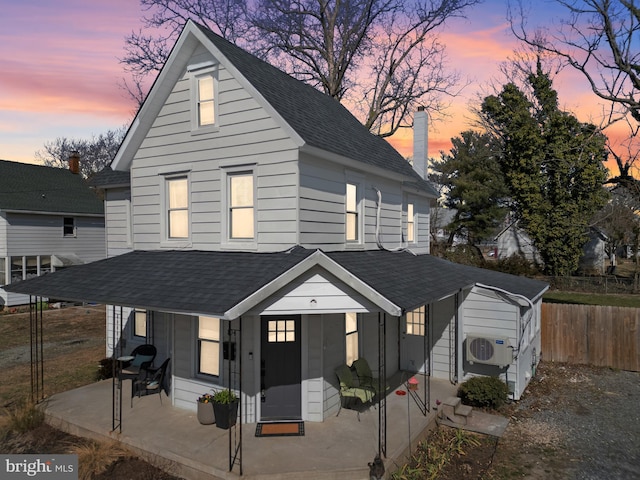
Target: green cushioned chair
[350, 391]
[365, 376]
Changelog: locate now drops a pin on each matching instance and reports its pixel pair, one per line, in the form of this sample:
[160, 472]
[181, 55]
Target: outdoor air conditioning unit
[489, 350]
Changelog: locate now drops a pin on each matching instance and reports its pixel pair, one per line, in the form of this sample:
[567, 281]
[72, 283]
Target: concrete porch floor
[173, 439]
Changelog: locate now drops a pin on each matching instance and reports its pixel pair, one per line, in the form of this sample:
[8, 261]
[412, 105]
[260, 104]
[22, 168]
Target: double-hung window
[68, 227]
[241, 205]
[352, 213]
[3, 275]
[177, 204]
[204, 93]
[16, 269]
[351, 337]
[209, 345]
[411, 223]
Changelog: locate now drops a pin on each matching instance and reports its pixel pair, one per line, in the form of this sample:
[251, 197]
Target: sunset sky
[60, 74]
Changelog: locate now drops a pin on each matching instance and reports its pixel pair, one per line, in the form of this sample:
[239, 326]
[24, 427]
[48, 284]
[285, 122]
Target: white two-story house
[259, 236]
[49, 219]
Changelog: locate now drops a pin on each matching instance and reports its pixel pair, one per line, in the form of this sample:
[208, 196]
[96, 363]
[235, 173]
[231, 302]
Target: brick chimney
[420, 142]
[74, 162]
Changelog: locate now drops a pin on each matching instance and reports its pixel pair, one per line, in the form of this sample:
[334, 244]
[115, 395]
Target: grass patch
[592, 299]
[23, 416]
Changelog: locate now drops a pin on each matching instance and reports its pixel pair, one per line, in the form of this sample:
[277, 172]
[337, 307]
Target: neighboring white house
[250, 216]
[49, 219]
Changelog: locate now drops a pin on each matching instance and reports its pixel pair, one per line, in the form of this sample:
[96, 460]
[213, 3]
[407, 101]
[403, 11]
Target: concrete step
[453, 410]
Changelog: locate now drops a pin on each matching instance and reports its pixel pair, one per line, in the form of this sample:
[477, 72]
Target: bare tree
[599, 39]
[95, 153]
[381, 58]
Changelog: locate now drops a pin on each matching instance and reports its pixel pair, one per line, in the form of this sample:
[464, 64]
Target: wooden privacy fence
[592, 335]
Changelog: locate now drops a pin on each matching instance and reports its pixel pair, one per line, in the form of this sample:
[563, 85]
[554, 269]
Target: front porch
[172, 438]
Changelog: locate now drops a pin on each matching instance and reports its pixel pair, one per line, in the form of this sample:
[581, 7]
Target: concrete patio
[171, 438]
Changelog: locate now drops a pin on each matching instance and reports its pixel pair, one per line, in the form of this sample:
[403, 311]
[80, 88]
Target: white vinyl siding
[119, 230]
[245, 134]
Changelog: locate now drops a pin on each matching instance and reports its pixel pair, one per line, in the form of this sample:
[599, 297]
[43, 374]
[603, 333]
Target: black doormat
[280, 429]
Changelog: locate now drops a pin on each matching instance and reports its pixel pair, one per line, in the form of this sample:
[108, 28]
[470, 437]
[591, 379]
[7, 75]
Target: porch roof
[218, 283]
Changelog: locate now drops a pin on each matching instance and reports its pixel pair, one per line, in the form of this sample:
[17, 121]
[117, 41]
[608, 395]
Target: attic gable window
[352, 213]
[204, 91]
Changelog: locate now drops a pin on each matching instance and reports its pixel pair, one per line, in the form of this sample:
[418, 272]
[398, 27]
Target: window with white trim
[416, 321]
[241, 205]
[31, 267]
[411, 224]
[204, 102]
[3, 275]
[352, 220]
[16, 269]
[69, 227]
[209, 345]
[351, 337]
[177, 204]
[140, 323]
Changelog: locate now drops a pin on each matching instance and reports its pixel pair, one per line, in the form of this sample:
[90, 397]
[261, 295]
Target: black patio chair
[153, 380]
[143, 357]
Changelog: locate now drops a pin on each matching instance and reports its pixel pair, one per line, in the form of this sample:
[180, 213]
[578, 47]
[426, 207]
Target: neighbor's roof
[36, 188]
[215, 283]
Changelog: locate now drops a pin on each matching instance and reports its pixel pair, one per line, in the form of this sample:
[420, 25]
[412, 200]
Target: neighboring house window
[31, 269]
[3, 276]
[411, 223]
[351, 334]
[16, 269]
[241, 205]
[352, 214]
[69, 227]
[140, 323]
[416, 321]
[45, 264]
[209, 345]
[177, 207]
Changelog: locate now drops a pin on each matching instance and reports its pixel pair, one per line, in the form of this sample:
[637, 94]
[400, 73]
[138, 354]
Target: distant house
[49, 219]
[513, 240]
[260, 237]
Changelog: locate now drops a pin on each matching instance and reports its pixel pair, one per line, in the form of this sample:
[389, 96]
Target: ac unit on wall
[488, 350]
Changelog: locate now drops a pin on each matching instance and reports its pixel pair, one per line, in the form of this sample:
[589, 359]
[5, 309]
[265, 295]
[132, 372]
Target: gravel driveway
[586, 419]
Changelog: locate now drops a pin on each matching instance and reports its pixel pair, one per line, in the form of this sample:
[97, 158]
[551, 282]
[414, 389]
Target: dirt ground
[573, 422]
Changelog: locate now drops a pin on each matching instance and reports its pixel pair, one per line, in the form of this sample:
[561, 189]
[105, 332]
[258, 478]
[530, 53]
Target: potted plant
[225, 407]
[205, 409]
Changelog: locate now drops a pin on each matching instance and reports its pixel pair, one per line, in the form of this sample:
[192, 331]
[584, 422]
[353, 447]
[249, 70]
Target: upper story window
[241, 205]
[69, 227]
[204, 93]
[209, 345]
[206, 103]
[177, 207]
[411, 224]
[352, 213]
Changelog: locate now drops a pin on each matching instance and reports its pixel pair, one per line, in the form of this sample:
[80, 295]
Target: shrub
[105, 369]
[25, 416]
[490, 392]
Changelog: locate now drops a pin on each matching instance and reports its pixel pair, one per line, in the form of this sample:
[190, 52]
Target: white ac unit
[488, 350]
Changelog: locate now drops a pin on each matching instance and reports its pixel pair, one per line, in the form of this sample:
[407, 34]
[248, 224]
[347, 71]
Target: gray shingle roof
[413, 280]
[320, 120]
[214, 282]
[109, 178]
[36, 188]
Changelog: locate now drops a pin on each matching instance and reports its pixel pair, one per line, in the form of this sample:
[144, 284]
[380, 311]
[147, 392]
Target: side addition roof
[34, 188]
